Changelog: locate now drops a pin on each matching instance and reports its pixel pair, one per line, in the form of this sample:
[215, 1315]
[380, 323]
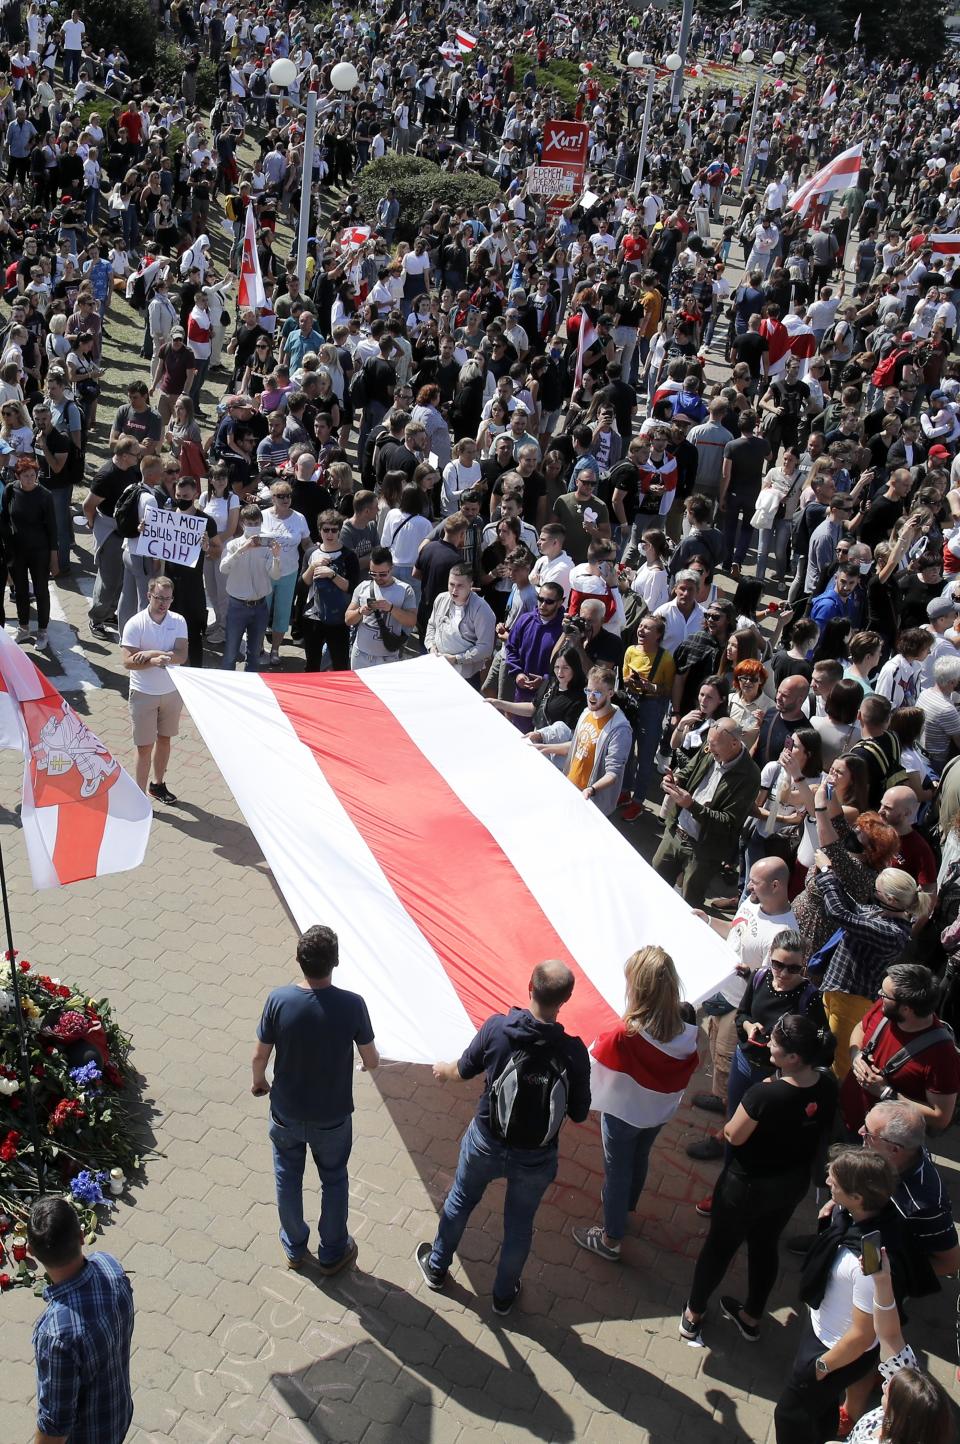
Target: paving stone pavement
[231, 1346]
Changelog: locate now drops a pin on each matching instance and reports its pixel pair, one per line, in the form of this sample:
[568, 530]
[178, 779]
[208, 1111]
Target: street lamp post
[343, 77]
[776, 60]
[636, 62]
[676, 89]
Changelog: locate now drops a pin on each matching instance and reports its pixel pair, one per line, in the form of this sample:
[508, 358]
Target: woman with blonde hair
[638, 1072]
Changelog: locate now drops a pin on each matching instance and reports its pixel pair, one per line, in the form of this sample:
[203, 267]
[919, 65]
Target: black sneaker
[434, 1278]
[162, 793]
[98, 630]
[503, 1306]
[732, 1309]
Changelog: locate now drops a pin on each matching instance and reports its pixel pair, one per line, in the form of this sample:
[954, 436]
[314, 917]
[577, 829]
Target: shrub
[560, 76]
[130, 21]
[418, 183]
[168, 73]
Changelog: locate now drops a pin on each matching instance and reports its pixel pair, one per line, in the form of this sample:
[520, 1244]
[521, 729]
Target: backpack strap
[918, 1044]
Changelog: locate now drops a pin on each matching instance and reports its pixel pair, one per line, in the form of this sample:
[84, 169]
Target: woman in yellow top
[648, 673]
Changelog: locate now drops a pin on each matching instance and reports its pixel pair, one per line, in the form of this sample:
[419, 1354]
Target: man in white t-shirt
[764, 912]
[152, 641]
[554, 564]
[73, 31]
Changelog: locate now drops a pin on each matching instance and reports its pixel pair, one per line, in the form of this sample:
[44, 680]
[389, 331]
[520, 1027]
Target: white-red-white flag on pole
[401, 25]
[82, 815]
[856, 30]
[836, 175]
[829, 96]
[586, 336]
[465, 41]
[250, 291]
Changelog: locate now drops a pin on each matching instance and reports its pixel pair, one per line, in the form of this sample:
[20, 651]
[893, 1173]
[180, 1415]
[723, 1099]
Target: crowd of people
[669, 471]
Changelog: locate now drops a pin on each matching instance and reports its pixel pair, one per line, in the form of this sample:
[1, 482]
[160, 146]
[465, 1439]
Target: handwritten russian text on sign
[546, 180]
[171, 536]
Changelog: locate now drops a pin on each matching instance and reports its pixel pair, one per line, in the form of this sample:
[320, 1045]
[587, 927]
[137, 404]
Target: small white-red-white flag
[946, 243]
[401, 25]
[465, 41]
[354, 237]
[82, 815]
[856, 30]
[829, 96]
[803, 343]
[586, 336]
[836, 175]
[250, 292]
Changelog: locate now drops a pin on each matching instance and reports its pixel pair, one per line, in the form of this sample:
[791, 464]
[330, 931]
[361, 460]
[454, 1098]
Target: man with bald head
[710, 797]
[898, 808]
[762, 915]
[535, 1075]
[783, 720]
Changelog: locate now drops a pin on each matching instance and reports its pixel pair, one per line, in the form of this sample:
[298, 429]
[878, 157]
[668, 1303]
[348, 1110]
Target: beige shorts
[154, 715]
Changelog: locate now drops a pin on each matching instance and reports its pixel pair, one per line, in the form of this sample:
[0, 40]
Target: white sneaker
[23, 634]
[42, 641]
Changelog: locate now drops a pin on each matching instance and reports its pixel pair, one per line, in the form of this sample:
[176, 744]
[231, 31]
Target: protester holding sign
[189, 594]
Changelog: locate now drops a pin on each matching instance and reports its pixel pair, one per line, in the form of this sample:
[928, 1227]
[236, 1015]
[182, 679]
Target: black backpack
[528, 1098]
[126, 513]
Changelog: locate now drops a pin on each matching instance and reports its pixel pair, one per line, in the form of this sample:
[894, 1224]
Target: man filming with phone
[251, 564]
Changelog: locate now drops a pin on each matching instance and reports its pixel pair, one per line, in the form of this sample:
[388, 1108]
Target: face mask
[864, 568]
[251, 531]
[184, 503]
[855, 843]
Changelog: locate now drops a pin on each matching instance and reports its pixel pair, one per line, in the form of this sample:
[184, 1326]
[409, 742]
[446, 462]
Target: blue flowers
[87, 1187]
[89, 1073]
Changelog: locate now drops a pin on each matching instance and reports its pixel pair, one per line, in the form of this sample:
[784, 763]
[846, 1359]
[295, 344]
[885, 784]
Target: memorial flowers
[82, 1091]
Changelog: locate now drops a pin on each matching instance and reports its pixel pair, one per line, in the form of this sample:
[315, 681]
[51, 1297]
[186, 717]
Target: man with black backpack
[535, 1075]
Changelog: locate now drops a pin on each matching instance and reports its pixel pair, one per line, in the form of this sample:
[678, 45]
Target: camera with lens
[574, 626]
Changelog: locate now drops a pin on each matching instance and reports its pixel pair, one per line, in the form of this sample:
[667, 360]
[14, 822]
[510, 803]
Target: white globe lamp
[344, 76]
[635, 60]
[673, 62]
[778, 57]
[746, 56]
[283, 73]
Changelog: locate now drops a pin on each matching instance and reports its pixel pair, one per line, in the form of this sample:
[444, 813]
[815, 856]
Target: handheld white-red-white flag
[836, 175]
[82, 815]
[250, 291]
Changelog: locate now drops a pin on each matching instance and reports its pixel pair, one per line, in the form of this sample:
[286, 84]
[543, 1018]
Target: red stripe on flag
[80, 829]
[449, 872]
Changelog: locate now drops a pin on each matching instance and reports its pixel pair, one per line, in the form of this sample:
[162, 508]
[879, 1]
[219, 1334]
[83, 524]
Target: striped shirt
[871, 941]
[941, 726]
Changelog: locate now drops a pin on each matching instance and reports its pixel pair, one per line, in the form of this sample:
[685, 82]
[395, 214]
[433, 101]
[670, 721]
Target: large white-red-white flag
[803, 343]
[82, 815]
[945, 243]
[250, 291]
[829, 96]
[377, 802]
[465, 41]
[836, 175]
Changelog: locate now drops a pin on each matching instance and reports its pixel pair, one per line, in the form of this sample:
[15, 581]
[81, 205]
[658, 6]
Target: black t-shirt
[747, 455]
[379, 379]
[790, 1125]
[882, 515]
[188, 592]
[782, 665]
[914, 596]
[434, 563]
[57, 445]
[751, 348]
[774, 731]
[534, 487]
[109, 482]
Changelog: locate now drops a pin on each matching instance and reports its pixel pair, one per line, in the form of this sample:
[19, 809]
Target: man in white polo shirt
[152, 641]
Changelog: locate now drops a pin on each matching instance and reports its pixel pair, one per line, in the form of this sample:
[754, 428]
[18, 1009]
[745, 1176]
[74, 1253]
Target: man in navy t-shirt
[313, 1027]
[484, 1155]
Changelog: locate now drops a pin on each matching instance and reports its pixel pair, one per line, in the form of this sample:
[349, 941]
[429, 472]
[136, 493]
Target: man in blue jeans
[484, 1152]
[313, 1026]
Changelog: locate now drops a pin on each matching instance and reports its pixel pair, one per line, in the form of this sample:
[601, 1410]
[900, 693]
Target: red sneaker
[624, 797]
[705, 1206]
[632, 811]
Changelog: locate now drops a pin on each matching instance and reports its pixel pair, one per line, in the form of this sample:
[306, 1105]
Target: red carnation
[8, 1148]
[63, 991]
[24, 966]
[70, 1026]
[66, 1109]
